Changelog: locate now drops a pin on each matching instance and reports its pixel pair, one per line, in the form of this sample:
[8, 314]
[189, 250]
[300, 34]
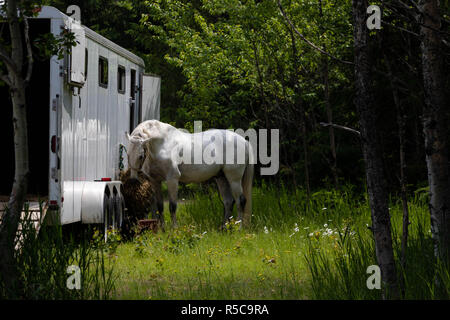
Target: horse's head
[141, 145]
[136, 155]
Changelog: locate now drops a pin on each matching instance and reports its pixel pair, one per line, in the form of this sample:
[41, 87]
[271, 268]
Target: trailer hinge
[62, 71]
[54, 104]
[54, 173]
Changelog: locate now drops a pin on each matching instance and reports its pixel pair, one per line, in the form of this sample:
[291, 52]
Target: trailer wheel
[107, 216]
[119, 208]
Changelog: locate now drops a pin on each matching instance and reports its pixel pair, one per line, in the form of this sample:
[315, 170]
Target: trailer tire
[119, 208]
[107, 215]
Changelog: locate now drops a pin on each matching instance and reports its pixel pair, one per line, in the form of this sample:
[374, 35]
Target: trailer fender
[92, 200]
[71, 205]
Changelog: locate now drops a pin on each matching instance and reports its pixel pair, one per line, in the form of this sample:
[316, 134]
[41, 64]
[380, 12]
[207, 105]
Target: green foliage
[180, 238]
[234, 53]
[48, 45]
[113, 239]
[42, 260]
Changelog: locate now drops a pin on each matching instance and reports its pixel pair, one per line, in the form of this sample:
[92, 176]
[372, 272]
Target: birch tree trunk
[17, 83]
[435, 121]
[376, 183]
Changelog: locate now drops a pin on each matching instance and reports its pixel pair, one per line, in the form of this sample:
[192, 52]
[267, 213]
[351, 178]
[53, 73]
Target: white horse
[165, 153]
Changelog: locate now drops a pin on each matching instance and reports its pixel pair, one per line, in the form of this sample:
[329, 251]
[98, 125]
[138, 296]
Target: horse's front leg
[159, 204]
[172, 188]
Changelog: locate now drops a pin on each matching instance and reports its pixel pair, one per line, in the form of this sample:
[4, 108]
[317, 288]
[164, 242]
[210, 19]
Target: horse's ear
[127, 135]
[134, 139]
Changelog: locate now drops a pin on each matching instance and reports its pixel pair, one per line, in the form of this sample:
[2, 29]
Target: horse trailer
[80, 109]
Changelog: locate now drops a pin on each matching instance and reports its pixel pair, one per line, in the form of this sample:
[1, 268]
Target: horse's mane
[142, 129]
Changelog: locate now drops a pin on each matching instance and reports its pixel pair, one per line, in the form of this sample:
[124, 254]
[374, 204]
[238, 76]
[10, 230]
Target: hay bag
[139, 195]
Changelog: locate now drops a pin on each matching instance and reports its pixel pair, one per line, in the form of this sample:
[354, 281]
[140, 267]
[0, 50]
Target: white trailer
[80, 109]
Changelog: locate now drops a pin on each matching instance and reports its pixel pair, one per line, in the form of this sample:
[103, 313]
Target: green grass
[294, 250]
[42, 260]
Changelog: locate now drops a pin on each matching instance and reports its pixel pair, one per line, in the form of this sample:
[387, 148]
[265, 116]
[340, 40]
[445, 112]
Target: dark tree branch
[29, 51]
[337, 126]
[400, 28]
[5, 79]
[312, 45]
[415, 14]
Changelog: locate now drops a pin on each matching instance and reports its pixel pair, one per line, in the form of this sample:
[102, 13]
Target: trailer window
[121, 79]
[86, 63]
[103, 72]
[133, 98]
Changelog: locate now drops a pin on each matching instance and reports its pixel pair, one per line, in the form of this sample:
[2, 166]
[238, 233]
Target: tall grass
[278, 207]
[341, 273]
[295, 249]
[42, 260]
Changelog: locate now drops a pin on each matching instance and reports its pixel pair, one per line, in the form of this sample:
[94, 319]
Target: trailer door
[151, 86]
[76, 76]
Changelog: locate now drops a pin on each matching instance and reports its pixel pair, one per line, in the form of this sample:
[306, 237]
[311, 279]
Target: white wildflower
[328, 232]
[266, 230]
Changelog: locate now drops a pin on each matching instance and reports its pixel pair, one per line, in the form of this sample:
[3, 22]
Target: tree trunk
[325, 78]
[376, 183]
[435, 121]
[401, 123]
[330, 128]
[11, 218]
[295, 82]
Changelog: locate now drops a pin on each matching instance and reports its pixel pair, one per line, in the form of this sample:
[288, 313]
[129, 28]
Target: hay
[139, 198]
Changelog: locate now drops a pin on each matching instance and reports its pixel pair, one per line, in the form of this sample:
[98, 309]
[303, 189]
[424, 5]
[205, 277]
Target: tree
[435, 121]
[16, 66]
[17, 79]
[376, 183]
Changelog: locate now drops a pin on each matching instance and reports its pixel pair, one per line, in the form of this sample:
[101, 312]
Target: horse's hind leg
[227, 198]
[238, 195]
[234, 179]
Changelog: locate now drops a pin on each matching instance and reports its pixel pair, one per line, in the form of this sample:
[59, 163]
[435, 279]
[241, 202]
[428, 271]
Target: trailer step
[35, 215]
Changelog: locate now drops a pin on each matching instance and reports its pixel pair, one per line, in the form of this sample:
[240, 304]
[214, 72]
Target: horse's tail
[247, 184]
